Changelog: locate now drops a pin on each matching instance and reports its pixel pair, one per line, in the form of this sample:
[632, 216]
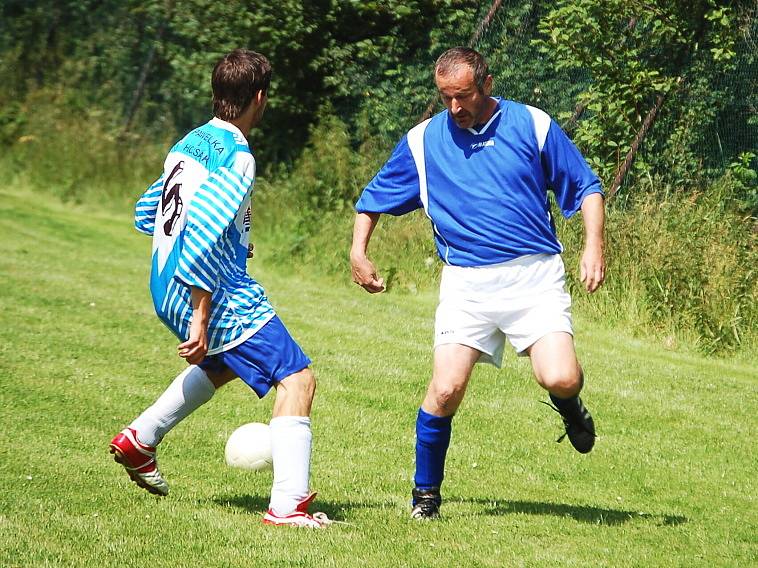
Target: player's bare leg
[294, 395]
[557, 370]
[220, 378]
[453, 364]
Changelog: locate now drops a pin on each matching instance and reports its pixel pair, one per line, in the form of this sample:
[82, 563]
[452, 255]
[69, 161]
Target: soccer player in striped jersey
[481, 170]
[198, 214]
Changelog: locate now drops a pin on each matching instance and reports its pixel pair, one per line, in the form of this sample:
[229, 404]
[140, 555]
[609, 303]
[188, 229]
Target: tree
[630, 79]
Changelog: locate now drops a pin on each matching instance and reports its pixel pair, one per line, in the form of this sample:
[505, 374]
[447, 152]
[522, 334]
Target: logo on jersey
[479, 145]
[170, 199]
[246, 220]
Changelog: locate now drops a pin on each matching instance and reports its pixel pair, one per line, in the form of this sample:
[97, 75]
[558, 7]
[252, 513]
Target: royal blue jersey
[198, 213]
[485, 189]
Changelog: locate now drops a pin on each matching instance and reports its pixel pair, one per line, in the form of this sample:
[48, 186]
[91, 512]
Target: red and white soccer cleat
[139, 461]
[299, 517]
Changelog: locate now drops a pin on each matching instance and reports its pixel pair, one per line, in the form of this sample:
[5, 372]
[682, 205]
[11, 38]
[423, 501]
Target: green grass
[670, 483]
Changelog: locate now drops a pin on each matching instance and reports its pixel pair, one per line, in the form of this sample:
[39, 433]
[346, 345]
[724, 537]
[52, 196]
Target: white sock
[291, 453]
[188, 391]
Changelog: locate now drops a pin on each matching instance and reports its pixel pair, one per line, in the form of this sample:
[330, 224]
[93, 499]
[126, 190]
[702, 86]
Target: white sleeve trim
[541, 121]
[416, 144]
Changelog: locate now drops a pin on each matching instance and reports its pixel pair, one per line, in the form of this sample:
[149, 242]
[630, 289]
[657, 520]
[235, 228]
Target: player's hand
[364, 274]
[592, 267]
[196, 347]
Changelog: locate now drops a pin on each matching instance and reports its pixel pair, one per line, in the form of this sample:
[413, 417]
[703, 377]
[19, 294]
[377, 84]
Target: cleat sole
[118, 457]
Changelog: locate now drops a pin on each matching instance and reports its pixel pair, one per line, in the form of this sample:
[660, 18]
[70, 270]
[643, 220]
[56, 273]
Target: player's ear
[487, 88]
[260, 98]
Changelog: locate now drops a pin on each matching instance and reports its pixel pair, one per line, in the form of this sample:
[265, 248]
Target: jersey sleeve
[212, 210]
[567, 172]
[395, 189]
[146, 207]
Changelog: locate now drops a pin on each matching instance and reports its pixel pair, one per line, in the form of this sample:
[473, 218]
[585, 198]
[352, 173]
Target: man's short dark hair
[236, 78]
[456, 56]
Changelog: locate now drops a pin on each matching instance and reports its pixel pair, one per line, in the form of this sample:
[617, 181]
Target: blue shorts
[266, 358]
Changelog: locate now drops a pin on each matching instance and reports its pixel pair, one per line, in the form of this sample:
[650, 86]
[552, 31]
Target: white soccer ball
[249, 447]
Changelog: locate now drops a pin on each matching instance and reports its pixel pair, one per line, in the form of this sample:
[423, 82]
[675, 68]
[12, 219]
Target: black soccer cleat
[426, 503]
[579, 425]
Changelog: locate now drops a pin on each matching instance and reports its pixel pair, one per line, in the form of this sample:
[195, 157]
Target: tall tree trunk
[139, 90]
[51, 56]
[646, 125]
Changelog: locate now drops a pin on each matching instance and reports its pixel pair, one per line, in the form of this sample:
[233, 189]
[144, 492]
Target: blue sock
[432, 440]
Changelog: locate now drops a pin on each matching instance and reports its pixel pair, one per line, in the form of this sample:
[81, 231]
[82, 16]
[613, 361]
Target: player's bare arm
[592, 265]
[195, 348]
[364, 272]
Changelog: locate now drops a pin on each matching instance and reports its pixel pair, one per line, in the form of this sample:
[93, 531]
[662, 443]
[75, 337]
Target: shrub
[680, 263]
[78, 156]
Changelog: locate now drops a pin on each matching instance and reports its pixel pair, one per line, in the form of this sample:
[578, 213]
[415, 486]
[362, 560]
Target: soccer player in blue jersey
[198, 214]
[481, 170]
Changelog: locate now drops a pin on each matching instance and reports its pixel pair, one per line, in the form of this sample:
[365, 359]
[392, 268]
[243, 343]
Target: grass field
[671, 482]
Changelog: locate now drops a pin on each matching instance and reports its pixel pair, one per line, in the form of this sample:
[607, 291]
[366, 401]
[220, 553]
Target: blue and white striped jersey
[198, 213]
[485, 189]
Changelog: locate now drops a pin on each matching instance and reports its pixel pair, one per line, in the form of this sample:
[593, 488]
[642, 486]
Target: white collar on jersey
[489, 122]
[218, 123]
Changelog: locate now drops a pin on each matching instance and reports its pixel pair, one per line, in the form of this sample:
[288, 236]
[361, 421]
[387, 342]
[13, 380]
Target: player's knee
[299, 386]
[563, 382]
[447, 398]
[307, 383]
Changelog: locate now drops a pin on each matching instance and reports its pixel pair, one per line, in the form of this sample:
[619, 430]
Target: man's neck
[489, 111]
[244, 123]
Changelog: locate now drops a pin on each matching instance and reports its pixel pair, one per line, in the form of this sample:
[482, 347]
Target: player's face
[462, 98]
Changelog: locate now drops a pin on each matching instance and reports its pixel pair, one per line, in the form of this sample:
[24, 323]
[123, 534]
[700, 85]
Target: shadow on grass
[584, 514]
[334, 510]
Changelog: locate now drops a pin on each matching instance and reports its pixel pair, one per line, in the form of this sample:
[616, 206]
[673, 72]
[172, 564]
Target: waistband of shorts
[520, 261]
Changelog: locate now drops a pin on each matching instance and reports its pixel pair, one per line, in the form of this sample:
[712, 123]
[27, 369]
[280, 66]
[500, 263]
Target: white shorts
[522, 300]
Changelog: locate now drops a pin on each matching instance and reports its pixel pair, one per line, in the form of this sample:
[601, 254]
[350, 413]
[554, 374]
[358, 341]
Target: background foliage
[94, 91]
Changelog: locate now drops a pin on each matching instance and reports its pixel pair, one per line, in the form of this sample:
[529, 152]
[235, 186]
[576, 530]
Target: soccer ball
[249, 447]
